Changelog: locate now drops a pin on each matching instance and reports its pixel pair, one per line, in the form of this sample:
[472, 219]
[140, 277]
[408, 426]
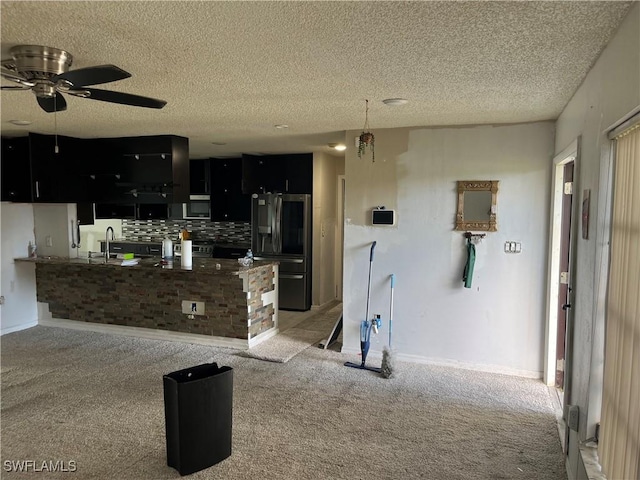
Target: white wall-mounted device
[382, 216]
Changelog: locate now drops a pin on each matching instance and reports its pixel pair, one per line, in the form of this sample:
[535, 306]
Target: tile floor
[288, 319]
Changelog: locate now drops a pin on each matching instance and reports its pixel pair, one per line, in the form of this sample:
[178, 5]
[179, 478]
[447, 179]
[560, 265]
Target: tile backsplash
[156, 230]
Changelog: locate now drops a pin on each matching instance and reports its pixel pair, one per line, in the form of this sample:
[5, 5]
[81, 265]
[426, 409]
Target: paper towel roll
[187, 254]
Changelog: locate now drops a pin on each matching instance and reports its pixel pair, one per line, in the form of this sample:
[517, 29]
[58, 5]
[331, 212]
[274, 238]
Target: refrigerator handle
[279, 223]
[272, 209]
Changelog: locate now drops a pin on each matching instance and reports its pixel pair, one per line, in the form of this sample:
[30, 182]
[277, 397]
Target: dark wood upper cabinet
[152, 169]
[200, 176]
[39, 168]
[54, 173]
[115, 210]
[263, 174]
[226, 175]
[291, 173]
[228, 202]
[152, 211]
[60, 169]
[85, 213]
[16, 170]
[298, 172]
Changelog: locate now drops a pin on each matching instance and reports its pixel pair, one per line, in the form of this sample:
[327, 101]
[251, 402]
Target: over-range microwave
[198, 207]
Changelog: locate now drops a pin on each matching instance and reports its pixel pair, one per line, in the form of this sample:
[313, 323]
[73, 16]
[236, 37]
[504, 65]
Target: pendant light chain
[366, 138]
[366, 117]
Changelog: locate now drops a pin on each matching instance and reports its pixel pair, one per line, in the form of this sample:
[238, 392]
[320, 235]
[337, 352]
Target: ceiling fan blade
[52, 104]
[123, 98]
[92, 75]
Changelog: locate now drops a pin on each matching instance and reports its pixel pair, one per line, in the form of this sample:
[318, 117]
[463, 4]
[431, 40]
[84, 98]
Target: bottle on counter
[167, 249]
[249, 256]
[32, 250]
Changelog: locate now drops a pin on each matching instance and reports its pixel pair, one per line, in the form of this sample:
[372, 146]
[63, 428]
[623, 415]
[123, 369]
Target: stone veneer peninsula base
[240, 303]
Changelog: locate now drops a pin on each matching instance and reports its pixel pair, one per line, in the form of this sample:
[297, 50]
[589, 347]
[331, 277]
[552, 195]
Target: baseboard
[452, 363]
[262, 337]
[590, 462]
[17, 328]
[327, 304]
[149, 333]
[557, 409]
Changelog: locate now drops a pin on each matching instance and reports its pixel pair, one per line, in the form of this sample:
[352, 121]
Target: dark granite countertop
[214, 266]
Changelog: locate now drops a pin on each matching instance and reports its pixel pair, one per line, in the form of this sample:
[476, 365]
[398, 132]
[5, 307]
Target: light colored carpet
[98, 399]
[284, 346]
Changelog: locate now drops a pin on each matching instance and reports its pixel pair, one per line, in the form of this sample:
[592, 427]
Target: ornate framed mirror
[477, 200]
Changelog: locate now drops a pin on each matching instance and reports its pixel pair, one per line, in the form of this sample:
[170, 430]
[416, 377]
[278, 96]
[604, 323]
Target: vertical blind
[619, 446]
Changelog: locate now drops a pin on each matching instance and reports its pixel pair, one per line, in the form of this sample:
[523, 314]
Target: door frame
[339, 239]
[569, 154]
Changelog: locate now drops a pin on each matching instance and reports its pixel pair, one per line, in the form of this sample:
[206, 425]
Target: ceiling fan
[45, 71]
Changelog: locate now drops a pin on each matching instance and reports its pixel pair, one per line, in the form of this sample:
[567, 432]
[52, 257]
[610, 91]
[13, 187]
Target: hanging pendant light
[366, 138]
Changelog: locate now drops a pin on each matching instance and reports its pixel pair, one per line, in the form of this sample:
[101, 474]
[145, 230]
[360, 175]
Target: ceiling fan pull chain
[55, 123]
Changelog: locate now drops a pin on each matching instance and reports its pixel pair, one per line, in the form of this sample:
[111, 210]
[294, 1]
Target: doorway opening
[559, 332]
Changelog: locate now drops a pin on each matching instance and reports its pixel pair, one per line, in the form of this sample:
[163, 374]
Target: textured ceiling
[230, 71]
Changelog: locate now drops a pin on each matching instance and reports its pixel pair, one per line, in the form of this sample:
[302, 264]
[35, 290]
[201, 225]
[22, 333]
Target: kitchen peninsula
[240, 303]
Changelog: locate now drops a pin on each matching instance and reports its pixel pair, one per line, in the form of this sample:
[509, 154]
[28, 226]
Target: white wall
[54, 220]
[498, 324]
[91, 235]
[53, 229]
[326, 169]
[18, 284]
[610, 91]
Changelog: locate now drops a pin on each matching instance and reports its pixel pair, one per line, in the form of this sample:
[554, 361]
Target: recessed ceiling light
[338, 146]
[281, 126]
[20, 122]
[218, 143]
[395, 101]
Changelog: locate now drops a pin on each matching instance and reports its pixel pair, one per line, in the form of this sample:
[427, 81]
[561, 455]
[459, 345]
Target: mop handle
[393, 283]
[373, 245]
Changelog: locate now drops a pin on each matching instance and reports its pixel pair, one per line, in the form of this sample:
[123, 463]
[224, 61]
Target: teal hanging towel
[467, 276]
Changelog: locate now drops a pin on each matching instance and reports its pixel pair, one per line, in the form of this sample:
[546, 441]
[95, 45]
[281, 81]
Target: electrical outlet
[191, 307]
[48, 241]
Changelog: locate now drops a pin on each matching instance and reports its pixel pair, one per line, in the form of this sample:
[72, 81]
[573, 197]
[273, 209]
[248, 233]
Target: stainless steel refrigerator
[281, 231]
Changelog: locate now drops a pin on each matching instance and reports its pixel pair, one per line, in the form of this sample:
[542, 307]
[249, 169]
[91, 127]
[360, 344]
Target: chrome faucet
[106, 242]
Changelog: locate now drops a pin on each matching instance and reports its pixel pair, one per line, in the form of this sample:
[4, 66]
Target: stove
[199, 248]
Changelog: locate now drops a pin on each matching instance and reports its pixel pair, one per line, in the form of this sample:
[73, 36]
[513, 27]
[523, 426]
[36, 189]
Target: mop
[387, 354]
[365, 328]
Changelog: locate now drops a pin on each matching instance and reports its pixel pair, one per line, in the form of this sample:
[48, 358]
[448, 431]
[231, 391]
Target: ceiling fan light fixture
[281, 126]
[20, 123]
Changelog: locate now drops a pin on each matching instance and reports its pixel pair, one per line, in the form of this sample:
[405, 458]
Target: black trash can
[198, 410]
